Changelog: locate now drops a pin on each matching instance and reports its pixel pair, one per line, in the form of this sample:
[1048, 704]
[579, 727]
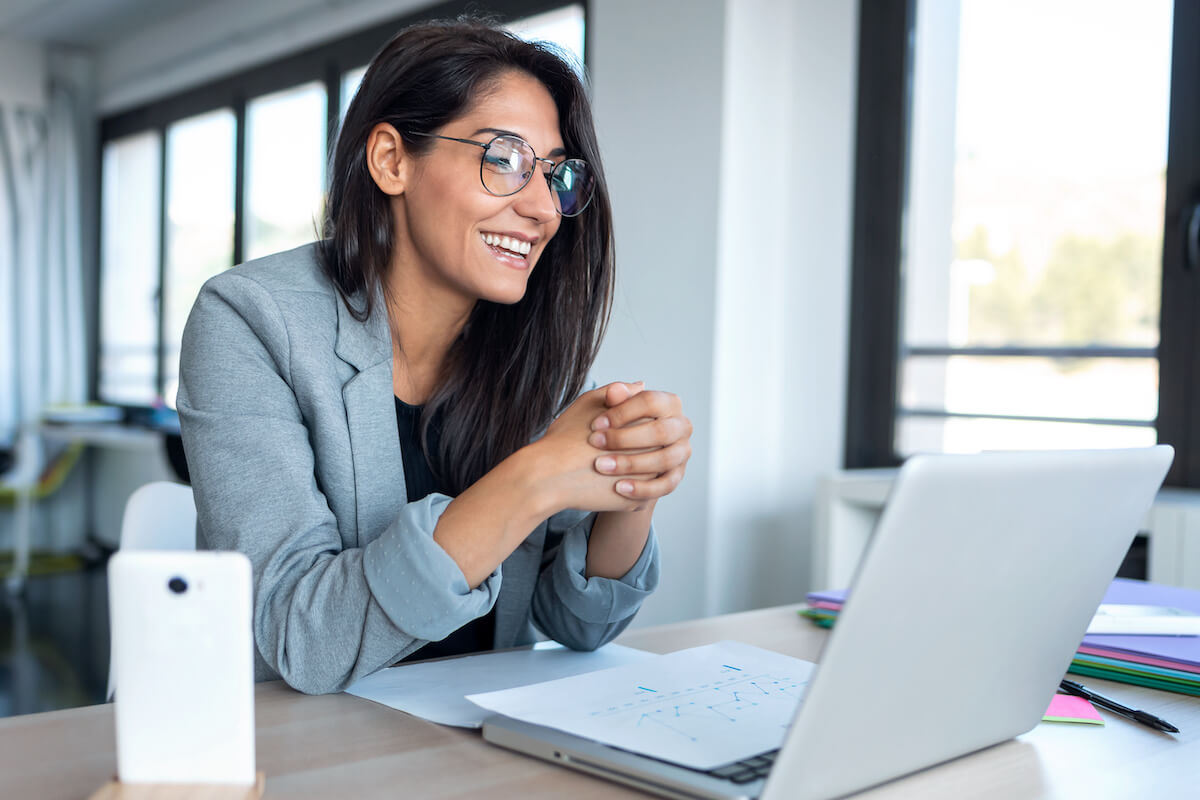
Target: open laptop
[981, 577]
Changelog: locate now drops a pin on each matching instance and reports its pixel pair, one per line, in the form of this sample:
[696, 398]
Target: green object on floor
[44, 563]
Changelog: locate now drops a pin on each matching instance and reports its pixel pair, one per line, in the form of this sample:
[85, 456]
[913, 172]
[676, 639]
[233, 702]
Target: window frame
[876, 348]
[1179, 347]
[324, 63]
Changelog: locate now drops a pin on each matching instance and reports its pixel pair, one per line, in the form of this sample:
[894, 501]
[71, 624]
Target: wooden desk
[343, 746]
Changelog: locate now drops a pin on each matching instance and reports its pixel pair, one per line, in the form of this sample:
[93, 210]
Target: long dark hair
[514, 367]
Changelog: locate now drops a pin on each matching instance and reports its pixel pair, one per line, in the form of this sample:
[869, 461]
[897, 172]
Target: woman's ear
[387, 160]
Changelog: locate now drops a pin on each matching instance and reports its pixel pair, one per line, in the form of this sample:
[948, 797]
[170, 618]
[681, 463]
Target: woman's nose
[535, 199]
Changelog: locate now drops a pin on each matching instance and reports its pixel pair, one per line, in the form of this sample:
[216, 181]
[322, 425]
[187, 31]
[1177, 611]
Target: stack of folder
[1160, 662]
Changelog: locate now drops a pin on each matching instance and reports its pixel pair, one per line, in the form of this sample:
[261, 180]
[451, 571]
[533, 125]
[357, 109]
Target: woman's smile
[509, 249]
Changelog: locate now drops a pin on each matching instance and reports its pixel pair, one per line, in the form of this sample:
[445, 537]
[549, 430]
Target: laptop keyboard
[750, 769]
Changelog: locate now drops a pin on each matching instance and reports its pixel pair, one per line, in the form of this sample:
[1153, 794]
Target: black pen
[1071, 687]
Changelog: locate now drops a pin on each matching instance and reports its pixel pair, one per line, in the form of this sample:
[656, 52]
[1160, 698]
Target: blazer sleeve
[324, 614]
[585, 613]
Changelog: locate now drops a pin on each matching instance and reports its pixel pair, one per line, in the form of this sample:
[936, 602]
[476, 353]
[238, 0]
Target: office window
[1011, 248]
[129, 260]
[350, 81]
[285, 169]
[199, 230]
[562, 27]
[1033, 235]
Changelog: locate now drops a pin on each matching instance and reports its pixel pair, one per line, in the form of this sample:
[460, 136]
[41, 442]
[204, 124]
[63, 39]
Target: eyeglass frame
[486, 145]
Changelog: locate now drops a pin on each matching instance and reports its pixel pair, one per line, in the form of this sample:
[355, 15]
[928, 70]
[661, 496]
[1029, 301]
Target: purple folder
[831, 596]
[1184, 649]
[1181, 649]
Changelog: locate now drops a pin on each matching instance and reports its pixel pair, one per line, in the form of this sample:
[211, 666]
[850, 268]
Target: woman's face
[450, 230]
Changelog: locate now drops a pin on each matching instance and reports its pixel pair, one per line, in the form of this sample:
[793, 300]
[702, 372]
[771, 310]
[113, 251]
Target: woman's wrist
[617, 541]
[534, 476]
[483, 525]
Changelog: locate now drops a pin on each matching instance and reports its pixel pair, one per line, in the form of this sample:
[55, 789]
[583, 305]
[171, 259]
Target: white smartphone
[184, 664]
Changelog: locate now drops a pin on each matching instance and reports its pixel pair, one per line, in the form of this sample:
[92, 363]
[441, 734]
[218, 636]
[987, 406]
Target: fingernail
[599, 440]
[606, 464]
[600, 423]
[624, 487]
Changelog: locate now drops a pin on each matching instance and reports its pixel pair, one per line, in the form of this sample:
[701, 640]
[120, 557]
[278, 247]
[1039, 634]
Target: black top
[478, 634]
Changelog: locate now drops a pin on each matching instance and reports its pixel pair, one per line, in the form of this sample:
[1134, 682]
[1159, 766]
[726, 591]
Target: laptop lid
[980, 580]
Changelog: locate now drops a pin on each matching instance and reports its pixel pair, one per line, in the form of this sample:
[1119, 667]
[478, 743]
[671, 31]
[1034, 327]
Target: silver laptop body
[981, 578]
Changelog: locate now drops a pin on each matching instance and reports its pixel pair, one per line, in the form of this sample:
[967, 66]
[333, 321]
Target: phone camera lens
[177, 585]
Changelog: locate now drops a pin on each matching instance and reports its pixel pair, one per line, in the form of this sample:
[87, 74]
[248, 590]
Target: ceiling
[89, 24]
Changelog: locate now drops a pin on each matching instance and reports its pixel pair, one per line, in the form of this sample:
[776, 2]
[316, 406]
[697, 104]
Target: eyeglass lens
[509, 163]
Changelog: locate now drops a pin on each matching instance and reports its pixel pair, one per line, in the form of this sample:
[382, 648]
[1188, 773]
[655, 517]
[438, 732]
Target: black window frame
[885, 59]
[326, 63]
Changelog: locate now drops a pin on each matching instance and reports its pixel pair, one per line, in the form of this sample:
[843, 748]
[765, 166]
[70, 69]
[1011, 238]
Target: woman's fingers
[649, 433]
[650, 489]
[642, 405]
[619, 392]
[635, 447]
[652, 462]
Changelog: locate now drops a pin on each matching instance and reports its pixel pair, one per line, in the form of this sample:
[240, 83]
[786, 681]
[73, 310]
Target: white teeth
[507, 243]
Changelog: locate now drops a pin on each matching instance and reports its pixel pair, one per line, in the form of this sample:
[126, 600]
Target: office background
[760, 155]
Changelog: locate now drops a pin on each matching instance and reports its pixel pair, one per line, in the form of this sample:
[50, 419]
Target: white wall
[734, 285]
[783, 290]
[727, 128]
[657, 83]
[22, 74]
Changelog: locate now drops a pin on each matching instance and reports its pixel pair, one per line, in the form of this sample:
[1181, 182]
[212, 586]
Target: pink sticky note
[1069, 708]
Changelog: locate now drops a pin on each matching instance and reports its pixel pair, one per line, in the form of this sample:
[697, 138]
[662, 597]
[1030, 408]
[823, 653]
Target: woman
[391, 422]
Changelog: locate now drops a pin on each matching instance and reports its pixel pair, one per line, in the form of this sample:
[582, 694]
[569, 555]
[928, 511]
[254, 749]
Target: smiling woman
[443, 219]
[394, 423]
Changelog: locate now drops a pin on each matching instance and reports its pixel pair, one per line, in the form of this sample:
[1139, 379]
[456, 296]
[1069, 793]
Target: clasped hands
[619, 447]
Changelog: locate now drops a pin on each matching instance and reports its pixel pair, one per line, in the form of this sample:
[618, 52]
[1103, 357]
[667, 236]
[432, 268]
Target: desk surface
[344, 746]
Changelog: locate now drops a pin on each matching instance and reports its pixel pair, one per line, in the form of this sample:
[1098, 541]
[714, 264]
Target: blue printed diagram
[702, 707]
[734, 699]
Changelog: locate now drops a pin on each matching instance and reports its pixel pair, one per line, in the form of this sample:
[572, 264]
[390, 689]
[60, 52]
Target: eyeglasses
[508, 163]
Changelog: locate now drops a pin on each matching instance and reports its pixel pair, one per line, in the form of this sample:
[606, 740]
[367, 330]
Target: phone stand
[115, 790]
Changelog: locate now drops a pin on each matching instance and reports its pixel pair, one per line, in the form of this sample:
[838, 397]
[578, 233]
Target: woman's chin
[506, 295]
[508, 299]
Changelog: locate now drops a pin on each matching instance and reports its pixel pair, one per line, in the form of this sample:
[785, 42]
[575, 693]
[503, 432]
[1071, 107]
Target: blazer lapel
[371, 419]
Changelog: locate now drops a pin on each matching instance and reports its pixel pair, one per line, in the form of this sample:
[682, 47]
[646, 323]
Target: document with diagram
[701, 707]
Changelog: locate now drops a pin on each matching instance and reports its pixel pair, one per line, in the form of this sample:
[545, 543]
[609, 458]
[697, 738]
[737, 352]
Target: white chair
[158, 516]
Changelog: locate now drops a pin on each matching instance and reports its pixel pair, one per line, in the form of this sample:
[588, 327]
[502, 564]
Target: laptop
[981, 577]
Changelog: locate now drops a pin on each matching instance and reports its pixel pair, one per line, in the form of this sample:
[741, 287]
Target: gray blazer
[285, 402]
